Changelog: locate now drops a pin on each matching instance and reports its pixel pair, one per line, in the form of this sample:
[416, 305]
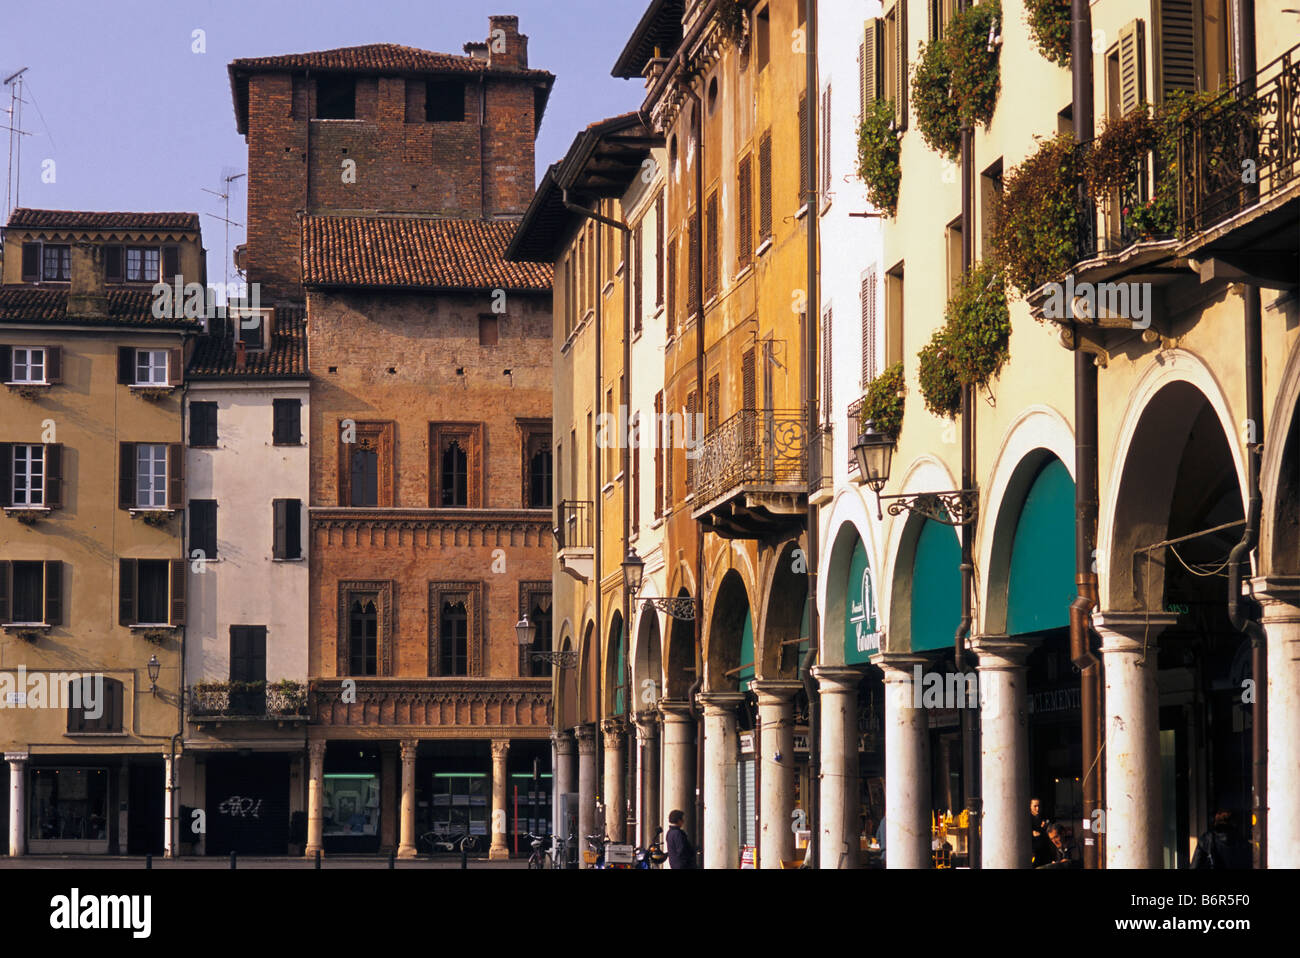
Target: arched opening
[784, 635]
[649, 670]
[589, 679]
[731, 638]
[566, 708]
[1285, 557]
[616, 678]
[681, 656]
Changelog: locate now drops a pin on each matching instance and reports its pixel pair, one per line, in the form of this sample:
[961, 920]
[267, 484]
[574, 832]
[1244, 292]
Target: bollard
[148, 862]
[392, 860]
[232, 861]
[318, 859]
[464, 857]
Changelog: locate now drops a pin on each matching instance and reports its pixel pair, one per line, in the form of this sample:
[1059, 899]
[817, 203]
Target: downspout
[173, 787]
[1085, 483]
[625, 399]
[811, 369]
[482, 158]
[1240, 614]
[697, 306]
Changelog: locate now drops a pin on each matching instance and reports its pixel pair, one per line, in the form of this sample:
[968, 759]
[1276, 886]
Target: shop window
[336, 98]
[456, 465]
[366, 475]
[455, 628]
[459, 804]
[94, 705]
[365, 628]
[444, 101]
[350, 805]
[69, 804]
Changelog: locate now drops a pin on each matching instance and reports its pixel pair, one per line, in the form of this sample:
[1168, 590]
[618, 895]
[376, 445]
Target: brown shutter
[745, 226]
[6, 474]
[636, 480]
[1132, 68]
[804, 172]
[692, 270]
[53, 592]
[175, 366]
[53, 364]
[714, 400]
[279, 518]
[828, 365]
[54, 475]
[765, 187]
[113, 264]
[870, 66]
[638, 276]
[671, 321]
[690, 432]
[126, 476]
[175, 475]
[826, 145]
[748, 381]
[900, 20]
[125, 365]
[6, 589]
[1174, 26]
[670, 455]
[31, 262]
[711, 246]
[660, 241]
[126, 591]
[659, 454]
[7, 364]
[171, 263]
[868, 328]
[177, 592]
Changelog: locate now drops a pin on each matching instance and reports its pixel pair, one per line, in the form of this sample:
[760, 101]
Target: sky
[134, 119]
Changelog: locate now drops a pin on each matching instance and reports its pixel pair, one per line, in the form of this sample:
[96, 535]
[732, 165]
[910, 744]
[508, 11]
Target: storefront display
[351, 805]
[69, 804]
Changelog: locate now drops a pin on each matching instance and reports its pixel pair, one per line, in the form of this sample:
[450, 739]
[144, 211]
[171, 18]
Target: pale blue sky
[135, 120]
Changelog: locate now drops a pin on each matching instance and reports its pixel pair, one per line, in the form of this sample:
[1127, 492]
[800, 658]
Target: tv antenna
[228, 176]
[12, 185]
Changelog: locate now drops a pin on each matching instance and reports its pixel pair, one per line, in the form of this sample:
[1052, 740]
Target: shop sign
[747, 743]
[747, 857]
[1064, 699]
[861, 628]
[801, 743]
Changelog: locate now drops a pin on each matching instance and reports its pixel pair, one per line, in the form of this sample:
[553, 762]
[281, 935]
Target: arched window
[363, 636]
[541, 617]
[455, 476]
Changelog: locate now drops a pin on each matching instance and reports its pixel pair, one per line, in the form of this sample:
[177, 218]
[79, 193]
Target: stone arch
[566, 685]
[926, 474]
[1280, 478]
[647, 662]
[589, 677]
[850, 523]
[615, 678]
[776, 653]
[1171, 406]
[681, 661]
[724, 634]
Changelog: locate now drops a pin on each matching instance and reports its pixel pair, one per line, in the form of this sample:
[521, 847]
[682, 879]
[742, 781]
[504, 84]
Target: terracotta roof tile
[377, 57]
[214, 354]
[49, 304]
[23, 218]
[413, 253]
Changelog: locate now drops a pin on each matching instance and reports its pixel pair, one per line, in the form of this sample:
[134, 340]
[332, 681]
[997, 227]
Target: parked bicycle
[539, 859]
[435, 842]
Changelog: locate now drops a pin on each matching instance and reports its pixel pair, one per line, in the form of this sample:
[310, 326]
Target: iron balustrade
[573, 525]
[755, 447]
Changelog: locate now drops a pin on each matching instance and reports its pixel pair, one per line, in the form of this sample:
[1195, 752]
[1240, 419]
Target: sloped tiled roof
[214, 354]
[49, 304]
[24, 218]
[413, 253]
[378, 58]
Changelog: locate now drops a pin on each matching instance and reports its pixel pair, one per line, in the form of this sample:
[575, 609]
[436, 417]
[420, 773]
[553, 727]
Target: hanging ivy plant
[931, 99]
[1036, 234]
[878, 156]
[937, 377]
[973, 345]
[1049, 27]
[882, 401]
[1114, 155]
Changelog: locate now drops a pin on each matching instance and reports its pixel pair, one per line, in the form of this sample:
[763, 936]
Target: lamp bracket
[681, 608]
[566, 659]
[958, 507]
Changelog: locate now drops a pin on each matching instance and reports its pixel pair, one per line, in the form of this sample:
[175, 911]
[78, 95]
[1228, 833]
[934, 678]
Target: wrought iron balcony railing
[767, 447]
[247, 700]
[573, 525]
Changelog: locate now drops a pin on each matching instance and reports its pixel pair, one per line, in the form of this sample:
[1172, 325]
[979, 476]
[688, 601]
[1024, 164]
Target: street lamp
[154, 668]
[526, 631]
[633, 571]
[874, 452]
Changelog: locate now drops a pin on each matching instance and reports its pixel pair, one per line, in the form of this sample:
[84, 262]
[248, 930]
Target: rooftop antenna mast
[228, 176]
[14, 183]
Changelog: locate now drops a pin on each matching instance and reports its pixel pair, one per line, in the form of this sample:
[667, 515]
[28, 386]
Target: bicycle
[434, 842]
[538, 859]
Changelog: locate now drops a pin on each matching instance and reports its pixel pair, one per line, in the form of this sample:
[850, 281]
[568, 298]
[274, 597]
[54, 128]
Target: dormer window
[336, 98]
[57, 264]
[151, 367]
[251, 328]
[142, 264]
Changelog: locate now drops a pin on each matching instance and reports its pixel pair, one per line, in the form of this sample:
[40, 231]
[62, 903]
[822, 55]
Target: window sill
[744, 273]
[96, 734]
[763, 247]
[803, 211]
[607, 289]
[28, 390]
[289, 561]
[151, 390]
[147, 626]
[28, 515]
[11, 628]
[608, 490]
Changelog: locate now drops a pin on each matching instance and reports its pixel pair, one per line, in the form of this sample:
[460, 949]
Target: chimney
[86, 295]
[477, 50]
[241, 354]
[507, 47]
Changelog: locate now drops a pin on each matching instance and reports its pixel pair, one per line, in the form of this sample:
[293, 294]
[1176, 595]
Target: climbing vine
[1049, 27]
[972, 346]
[878, 156]
[882, 401]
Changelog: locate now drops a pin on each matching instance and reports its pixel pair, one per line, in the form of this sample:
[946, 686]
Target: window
[444, 101]
[488, 331]
[990, 198]
[745, 207]
[659, 455]
[365, 627]
[894, 315]
[149, 367]
[868, 328]
[151, 592]
[763, 38]
[287, 515]
[286, 428]
[28, 475]
[660, 232]
[27, 365]
[826, 147]
[535, 602]
[31, 593]
[538, 463]
[456, 628]
[828, 364]
[939, 13]
[671, 320]
[366, 478]
[95, 705]
[712, 254]
[151, 476]
[953, 254]
[638, 278]
[805, 180]
[765, 187]
[142, 264]
[456, 465]
[248, 665]
[336, 97]
[203, 424]
[203, 528]
[56, 264]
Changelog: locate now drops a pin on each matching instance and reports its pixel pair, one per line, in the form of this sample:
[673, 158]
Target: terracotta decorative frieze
[431, 703]
[431, 528]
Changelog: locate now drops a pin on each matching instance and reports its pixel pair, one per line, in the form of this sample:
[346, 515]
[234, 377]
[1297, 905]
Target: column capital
[675, 710]
[837, 679]
[316, 750]
[586, 736]
[720, 703]
[647, 725]
[777, 691]
[1002, 653]
[16, 758]
[615, 732]
[899, 666]
[500, 749]
[564, 744]
[409, 747]
[1279, 595]
[1131, 631]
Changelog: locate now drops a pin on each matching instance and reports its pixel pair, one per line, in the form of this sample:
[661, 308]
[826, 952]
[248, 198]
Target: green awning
[1041, 582]
[936, 588]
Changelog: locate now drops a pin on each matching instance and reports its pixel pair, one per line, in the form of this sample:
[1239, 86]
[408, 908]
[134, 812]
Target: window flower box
[286, 697]
[153, 393]
[28, 516]
[31, 391]
[158, 518]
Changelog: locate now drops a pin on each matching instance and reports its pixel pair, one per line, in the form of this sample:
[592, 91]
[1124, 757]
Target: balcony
[751, 475]
[573, 539]
[217, 703]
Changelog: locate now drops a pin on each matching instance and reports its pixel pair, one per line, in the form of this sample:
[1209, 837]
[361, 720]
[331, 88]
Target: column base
[498, 854]
[312, 850]
[407, 851]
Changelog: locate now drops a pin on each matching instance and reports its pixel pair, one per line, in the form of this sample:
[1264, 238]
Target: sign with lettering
[861, 625]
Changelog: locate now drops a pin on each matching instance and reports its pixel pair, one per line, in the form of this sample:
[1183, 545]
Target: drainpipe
[1086, 484]
[811, 370]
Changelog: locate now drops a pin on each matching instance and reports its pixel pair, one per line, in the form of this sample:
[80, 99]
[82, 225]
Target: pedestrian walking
[681, 853]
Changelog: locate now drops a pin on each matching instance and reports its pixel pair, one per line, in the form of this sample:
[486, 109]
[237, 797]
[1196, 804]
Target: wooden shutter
[900, 71]
[53, 592]
[1132, 72]
[745, 204]
[175, 475]
[804, 173]
[6, 474]
[175, 367]
[203, 527]
[669, 456]
[671, 321]
[1174, 26]
[660, 234]
[659, 454]
[280, 509]
[53, 364]
[171, 263]
[125, 365]
[31, 262]
[692, 272]
[177, 592]
[826, 145]
[711, 252]
[692, 406]
[126, 476]
[713, 400]
[126, 590]
[113, 264]
[765, 186]
[638, 277]
[868, 328]
[748, 381]
[6, 589]
[870, 65]
[636, 478]
[827, 364]
[54, 475]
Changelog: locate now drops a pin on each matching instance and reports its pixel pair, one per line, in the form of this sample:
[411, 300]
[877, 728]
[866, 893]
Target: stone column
[315, 796]
[615, 732]
[648, 814]
[776, 781]
[17, 802]
[406, 841]
[587, 775]
[840, 826]
[1004, 751]
[390, 794]
[720, 837]
[564, 780]
[907, 771]
[500, 779]
[679, 764]
[1281, 599]
[1132, 726]
[169, 805]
